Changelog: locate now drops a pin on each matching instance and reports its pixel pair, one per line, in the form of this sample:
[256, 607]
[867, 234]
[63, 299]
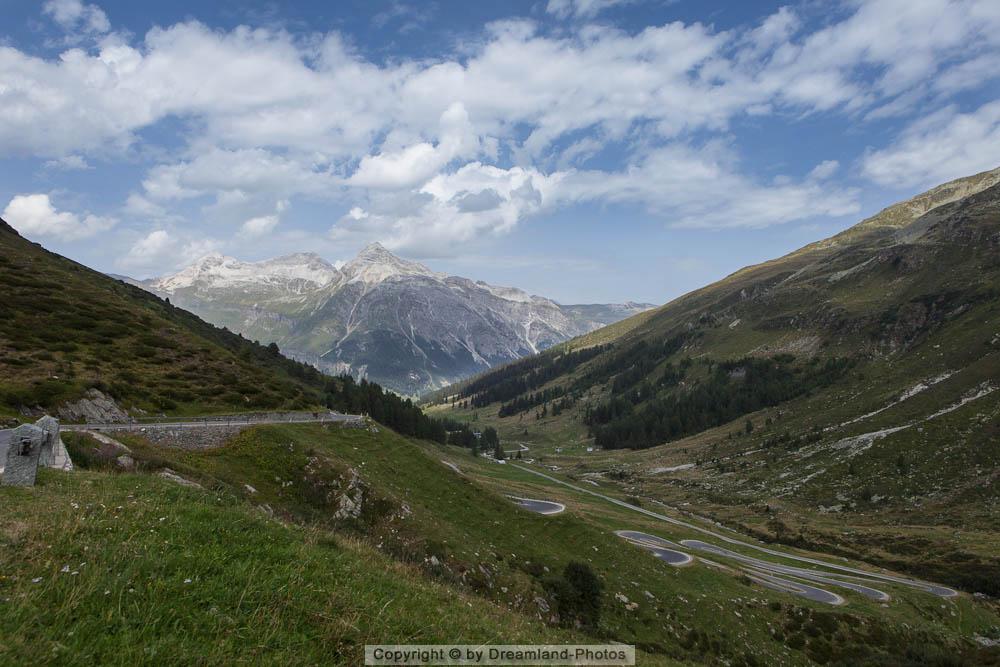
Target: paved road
[539, 506]
[840, 570]
[209, 422]
[663, 549]
[758, 566]
[795, 588]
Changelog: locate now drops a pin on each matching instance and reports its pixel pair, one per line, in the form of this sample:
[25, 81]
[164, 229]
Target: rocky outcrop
[172, 476]
[352, 498]
[94, 408]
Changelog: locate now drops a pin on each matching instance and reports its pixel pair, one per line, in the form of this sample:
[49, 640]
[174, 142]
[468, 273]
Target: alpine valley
[379, 316]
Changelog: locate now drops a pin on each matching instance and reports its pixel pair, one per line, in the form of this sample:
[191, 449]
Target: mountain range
[379, 316]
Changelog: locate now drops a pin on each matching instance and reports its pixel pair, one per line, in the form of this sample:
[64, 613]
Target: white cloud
[940, 147]
[410, 166]
[689, 187]
[581, 8]
[265, 89]
[416, 163]
[140, 207]
[68, 163]
[259, 226]
[450, 209]
[74, 15]
[218, 171]
[970, 74]
[160, 251]
[34, 215]
[357, 213]
[702, 188]
[824, 170]
[262, 225]
[149, 250]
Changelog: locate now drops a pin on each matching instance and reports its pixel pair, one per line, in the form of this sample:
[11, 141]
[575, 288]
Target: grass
[131, 569]
[435, 530]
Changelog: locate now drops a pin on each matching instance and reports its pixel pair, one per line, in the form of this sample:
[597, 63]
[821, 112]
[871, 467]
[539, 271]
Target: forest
[641, 417]
[523, 376]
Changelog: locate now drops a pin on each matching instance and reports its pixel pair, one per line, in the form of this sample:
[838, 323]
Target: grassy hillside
[852, 382]
[275, 574]
[132, 569]
[65, 328]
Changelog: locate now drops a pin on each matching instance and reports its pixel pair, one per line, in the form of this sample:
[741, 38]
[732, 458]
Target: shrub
[577, 595]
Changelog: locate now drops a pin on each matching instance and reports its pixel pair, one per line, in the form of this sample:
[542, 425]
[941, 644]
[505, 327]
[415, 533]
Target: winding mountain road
[773, 575]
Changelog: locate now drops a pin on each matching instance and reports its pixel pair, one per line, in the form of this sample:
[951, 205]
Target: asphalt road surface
[663, 549]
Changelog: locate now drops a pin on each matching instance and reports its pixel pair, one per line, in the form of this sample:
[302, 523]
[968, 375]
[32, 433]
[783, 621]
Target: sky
[585, 150]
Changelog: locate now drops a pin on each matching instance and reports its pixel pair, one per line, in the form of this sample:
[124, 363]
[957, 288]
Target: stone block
[23, 452]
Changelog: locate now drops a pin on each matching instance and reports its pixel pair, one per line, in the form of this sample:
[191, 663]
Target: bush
[577, 595]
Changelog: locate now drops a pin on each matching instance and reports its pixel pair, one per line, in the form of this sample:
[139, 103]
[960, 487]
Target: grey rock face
[380, 317]
[352, 501]
[95, 407]
[169, 474]
[23, 452]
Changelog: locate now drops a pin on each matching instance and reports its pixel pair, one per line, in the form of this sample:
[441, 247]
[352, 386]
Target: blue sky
[585, 150]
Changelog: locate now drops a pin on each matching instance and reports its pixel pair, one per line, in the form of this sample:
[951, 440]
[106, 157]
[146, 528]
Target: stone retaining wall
[213, 433]
[206, 437]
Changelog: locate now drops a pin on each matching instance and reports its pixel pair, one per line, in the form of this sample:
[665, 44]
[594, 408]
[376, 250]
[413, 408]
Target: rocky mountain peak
[375, 251]
[375, 264]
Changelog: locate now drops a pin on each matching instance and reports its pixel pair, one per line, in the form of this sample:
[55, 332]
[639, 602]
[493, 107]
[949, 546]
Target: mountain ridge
[378, 315]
